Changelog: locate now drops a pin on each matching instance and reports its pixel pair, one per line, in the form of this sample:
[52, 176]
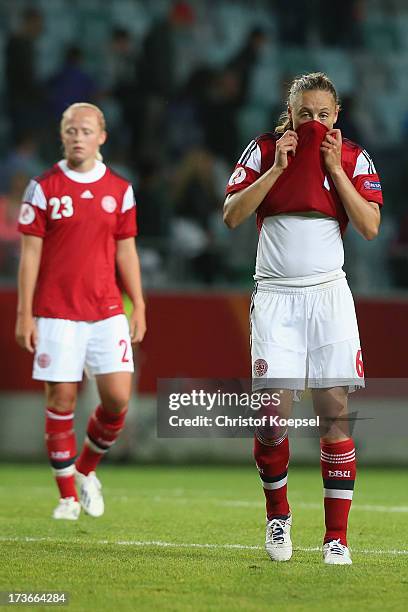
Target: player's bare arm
[26, 329]
[128, 264]
[241, 205]
[365, 216]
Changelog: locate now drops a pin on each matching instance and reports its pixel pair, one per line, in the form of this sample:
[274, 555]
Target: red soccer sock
[338, 462]
[61, 447]
[103, 429]
[272, 461]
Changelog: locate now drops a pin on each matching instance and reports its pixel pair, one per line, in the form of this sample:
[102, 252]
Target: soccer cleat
[68, 509]
[278, 543]
[335, 553]
[90, 493]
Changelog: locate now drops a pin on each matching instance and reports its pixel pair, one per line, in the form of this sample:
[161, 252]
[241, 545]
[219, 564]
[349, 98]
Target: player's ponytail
[306, 82]
[285, 123]
[99, 113]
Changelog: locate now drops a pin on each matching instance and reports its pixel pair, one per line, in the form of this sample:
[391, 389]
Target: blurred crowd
[179, 113]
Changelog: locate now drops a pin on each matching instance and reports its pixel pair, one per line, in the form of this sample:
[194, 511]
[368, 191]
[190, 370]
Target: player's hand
[137, 323]
[331, 150]
[26, 332]
[285, 145]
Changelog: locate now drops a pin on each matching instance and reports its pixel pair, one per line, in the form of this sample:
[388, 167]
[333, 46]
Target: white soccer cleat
[278, 543]
[90, 493]
[68, 509]
[335, 553]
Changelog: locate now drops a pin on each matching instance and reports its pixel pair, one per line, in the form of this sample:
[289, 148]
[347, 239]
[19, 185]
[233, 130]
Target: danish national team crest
[43, 360]
[109, 204]
[27, 214]
[237, 176]
[260, 367]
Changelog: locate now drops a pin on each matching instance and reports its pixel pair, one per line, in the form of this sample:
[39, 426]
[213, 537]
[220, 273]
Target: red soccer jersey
[305, 185]
[80, 216]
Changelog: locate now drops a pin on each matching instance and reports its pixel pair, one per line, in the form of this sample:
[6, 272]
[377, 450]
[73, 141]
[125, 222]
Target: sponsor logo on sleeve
[109, 204]
[237, 176]
[27, 214]
[372, 185]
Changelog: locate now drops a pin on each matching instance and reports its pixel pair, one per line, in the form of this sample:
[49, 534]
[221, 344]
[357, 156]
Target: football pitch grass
[191, 538]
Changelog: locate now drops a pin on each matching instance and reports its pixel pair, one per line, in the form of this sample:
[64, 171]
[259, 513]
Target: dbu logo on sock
[339, 474]
[60, 454]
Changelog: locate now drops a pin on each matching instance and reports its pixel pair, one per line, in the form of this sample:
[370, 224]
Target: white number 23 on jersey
[61, 207]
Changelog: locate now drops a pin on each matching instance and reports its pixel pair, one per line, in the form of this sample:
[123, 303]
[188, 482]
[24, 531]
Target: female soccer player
[78, 222]
[305, 183]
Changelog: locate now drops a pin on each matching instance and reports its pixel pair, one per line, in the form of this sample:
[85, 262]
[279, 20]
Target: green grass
[188, 505]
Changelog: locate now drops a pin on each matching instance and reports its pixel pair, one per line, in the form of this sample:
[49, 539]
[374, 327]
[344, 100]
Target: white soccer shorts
[66, 348]
[305, 337]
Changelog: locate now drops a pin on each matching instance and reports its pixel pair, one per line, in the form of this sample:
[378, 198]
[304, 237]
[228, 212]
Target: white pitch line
[238, 503]
[161, 544]
[368, 508]
[314, 506]
[241, 503]
[231, 503]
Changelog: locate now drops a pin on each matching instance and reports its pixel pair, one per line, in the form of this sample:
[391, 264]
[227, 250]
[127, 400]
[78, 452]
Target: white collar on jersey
[93, 175]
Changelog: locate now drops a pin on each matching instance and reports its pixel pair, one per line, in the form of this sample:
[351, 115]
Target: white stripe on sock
[338, 493]
[60, 417]
[64, 472]
[271, 442]
[339, 462]
[345, 455]
[274, 485]
[94, 447]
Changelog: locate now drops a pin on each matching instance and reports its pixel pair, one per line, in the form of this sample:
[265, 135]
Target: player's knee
[334, 438]
[266, 445]
[62, 401]
[115, 402]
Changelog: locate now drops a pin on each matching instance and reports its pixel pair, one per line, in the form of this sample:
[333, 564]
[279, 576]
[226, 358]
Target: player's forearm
[27, 279]
[364, 216]
[27, 276]
[239, 206]
[128, 265]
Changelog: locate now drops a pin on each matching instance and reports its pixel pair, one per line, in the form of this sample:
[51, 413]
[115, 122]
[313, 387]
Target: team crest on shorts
[109, 204]
[43, 360]
[260, 367]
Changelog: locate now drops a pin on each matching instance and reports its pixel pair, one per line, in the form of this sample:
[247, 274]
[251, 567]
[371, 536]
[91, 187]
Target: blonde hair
[99, 114]
[306, 82]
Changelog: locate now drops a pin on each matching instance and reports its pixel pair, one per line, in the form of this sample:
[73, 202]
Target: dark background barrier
[206, 335]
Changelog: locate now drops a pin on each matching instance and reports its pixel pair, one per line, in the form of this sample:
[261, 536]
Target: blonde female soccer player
[305, 182]
[78, 225]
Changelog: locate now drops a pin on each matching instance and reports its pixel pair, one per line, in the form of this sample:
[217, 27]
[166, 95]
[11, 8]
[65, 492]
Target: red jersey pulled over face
[305, 186]
[79, 216]
[301, 220]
